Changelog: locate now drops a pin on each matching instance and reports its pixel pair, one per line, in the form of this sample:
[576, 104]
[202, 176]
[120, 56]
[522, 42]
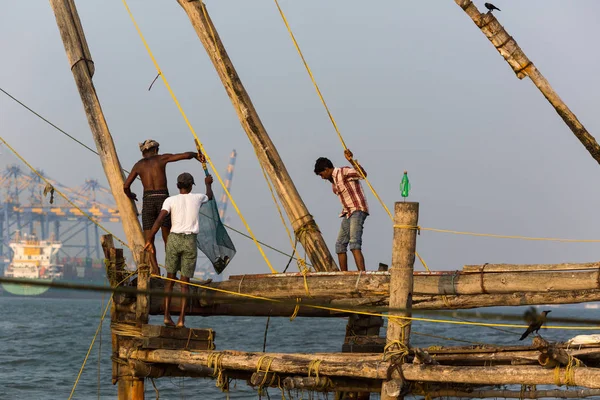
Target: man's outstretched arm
[188, 155]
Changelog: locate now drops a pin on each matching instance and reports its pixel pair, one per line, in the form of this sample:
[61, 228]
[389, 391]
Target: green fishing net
[213, 239]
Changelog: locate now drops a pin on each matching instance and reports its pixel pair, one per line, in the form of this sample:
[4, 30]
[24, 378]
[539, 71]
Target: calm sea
[43, 343]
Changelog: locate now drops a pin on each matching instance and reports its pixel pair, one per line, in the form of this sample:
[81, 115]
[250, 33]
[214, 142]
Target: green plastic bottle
[405, 185]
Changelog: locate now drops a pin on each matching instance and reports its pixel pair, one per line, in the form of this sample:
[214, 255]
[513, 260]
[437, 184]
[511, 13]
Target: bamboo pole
[369, 368]
[516, 58]
[406, 218]
[82, 66]
[305, 228]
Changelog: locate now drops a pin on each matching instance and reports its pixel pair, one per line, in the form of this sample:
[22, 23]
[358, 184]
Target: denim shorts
[351, 232]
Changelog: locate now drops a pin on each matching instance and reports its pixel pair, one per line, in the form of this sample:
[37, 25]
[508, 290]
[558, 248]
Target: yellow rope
[88, 216]
[191, 128]
[420, 228]
[89, 349]
[287, 231]
[304, 270]
[215, 361]
[96, 335]
[265, 371]
[296, 309]
[313, 366]
[342, 310]
[312, 78]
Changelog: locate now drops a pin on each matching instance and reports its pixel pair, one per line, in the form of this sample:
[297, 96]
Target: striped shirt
[347, 187]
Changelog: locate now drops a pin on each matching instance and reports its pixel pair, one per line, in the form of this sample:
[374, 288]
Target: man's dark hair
[184, 186]
[322, 164]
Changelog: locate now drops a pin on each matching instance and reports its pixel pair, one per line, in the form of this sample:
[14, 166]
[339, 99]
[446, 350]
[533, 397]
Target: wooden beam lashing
[82, 67]
[522, 66]
[305, 228]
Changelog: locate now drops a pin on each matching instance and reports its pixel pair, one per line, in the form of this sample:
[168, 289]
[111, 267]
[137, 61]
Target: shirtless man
[152, 171]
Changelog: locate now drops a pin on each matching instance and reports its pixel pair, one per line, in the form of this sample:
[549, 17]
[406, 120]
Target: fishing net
[213, 239]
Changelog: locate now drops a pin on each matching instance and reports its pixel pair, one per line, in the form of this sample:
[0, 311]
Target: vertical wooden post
[142, 305]
[304, 226]
[520, 63]
[406, 218]
[82, 67]
[129, 388]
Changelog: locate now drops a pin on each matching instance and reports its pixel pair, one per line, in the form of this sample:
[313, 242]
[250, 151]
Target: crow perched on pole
[491, 7]
[535, 322]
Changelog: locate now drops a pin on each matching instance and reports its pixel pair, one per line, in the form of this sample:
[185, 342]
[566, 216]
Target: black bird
[535, 322]
[491, 7]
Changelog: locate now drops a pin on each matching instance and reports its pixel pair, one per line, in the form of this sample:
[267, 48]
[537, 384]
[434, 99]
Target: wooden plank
[175, 344]
[153, 331]
[531, 267]
[336, 286]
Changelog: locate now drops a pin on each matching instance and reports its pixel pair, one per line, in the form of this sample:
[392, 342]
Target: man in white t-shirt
[181, 251]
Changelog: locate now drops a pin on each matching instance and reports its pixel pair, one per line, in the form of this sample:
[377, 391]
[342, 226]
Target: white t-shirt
[184, 210]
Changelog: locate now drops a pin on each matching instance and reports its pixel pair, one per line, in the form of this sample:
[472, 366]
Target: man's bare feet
[180, 325]
[169, 322]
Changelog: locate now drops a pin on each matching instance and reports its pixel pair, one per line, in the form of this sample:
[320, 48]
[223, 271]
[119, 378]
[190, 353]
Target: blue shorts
[351, 232]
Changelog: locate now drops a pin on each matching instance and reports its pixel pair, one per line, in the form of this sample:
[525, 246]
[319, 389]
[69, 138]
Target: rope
[304, 270]
[215, 361]
[49, 123]
[98, 330]
[342, 310]
[266, 371]
[420, 228]
[400, 350]
[359, 170]
[287, 231]
[191, 128]
[296, 309]
[126, 171]
[88, 216]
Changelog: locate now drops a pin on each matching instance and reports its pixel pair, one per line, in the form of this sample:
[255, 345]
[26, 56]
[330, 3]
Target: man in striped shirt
[345, 182]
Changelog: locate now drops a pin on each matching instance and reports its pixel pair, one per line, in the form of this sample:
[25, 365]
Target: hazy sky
[412, 84]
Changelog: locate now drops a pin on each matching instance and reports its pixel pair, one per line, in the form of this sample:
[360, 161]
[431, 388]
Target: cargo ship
[37, 259]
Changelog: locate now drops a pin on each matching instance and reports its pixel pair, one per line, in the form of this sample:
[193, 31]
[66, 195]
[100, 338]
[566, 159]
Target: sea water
[43, 343]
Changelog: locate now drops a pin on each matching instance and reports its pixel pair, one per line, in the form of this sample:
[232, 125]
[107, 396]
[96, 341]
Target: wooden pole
[82, 67]
[305, 228]
[520, 63]
[143, 283]
[514, 394]
[373, 284]
[373, 367]
[129, 387]
[406, 218]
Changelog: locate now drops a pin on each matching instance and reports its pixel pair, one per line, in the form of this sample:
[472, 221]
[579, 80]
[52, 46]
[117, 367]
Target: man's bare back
[152, 172]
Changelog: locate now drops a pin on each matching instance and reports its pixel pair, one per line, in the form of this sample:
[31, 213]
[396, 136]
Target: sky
[412, 85]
